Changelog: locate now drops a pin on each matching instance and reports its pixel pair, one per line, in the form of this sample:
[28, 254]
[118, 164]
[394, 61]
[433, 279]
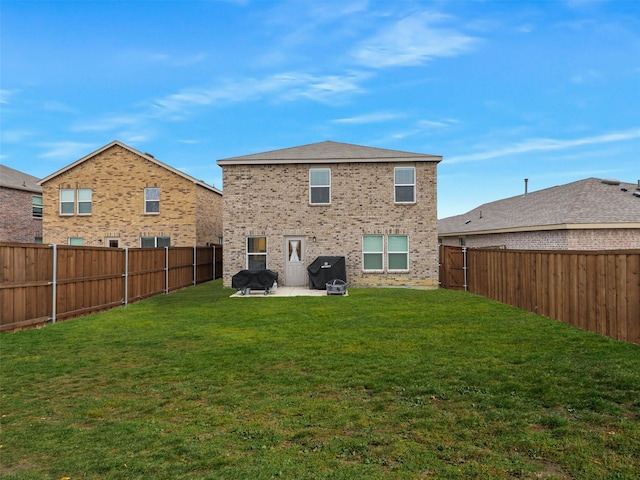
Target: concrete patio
[287, 292]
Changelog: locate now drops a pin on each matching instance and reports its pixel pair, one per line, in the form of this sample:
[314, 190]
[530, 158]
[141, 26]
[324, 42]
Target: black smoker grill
[324, 270]
[245, 280]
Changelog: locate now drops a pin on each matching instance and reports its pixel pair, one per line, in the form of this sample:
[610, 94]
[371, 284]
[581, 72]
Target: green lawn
[383, 383]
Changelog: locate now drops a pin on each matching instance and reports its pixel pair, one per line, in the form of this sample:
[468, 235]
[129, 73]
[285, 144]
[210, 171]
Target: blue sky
[544, 90]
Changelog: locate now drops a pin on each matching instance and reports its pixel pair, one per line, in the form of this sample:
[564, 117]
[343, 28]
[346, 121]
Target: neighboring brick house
[20, 207]
[375, 207]
[120, 197]
[590, 214]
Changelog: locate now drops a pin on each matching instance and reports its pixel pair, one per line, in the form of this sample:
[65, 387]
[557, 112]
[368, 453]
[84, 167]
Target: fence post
[54, 283]
[126, 276]
[464, 267]
[166, 270]
[214, 262]
[195, 252]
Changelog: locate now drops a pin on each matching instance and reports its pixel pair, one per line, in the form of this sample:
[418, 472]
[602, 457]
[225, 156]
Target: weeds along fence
[48, 283]
[597, 291]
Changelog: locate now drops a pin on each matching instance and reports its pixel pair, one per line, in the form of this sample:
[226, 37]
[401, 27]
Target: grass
[384, 383]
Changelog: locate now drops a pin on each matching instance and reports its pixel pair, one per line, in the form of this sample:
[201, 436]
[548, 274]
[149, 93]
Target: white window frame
[397, 252]
[373, 252]
[397, 185]
[257, 254]
[156, 240]
[319, 186]
[146, 201]
[68, 202]
[84, 200]
[36, 208]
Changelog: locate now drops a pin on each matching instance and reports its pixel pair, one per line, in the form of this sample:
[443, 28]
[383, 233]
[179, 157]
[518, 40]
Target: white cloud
[70, 151]
[546, 144]
[15, 136]
[6, 94]
[413, 41]
[369, 118]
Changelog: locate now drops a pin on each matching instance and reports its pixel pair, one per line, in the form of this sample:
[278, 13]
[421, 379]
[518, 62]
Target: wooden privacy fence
[597, 291]
[43, 283]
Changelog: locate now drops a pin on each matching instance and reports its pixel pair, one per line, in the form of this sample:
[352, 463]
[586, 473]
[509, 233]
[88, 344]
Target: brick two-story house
[375, 207]
[120, 197]
[20, 207]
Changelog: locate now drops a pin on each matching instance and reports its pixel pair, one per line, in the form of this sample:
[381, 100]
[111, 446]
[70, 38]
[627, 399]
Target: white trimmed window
[154, 242]
[152, 200]
[320, 186]
[84, 201]
[404, 184]
[36, 206]
[373, 253]
[75, 241]
[256, 253]
[398, 252]
[67, 201]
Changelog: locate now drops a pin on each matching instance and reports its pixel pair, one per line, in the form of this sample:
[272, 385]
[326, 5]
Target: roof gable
[145, 156]
[589, 201]
[328, 152]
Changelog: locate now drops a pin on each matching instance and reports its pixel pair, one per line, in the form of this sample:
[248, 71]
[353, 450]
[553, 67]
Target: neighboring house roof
[146, 156]
[589, 203]
[329, 152]
[10, 178]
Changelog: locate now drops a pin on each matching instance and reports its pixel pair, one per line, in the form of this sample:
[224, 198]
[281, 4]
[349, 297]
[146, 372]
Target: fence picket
[89, 279]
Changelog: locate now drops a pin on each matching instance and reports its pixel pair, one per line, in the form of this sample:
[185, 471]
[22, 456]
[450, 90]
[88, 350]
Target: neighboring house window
[75, 241]
[153, 242]
[152, 200]
[36, 206]
[405, 184]
[320, 186]
[256, 253]
[398, 252]
[37, 240]
[373, 253]
[67, 201]
[84, 201]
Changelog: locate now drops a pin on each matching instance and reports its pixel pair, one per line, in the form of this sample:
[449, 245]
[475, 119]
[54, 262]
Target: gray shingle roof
[329, 152]
[17, 180]
[589, 201]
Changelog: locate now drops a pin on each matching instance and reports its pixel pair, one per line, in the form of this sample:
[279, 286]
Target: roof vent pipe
[526, 186]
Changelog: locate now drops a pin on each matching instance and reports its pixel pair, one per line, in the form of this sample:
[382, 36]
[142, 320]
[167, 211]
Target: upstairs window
[84, 201]
[67, 201]
[36, 206]
[405, 184]
[256, 253]
[320, 186]
[152, 200]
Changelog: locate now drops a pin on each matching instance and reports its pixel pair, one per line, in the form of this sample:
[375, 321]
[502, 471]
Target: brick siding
[587, 239]
[16, 216]
[273, 201]
[189, 213]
